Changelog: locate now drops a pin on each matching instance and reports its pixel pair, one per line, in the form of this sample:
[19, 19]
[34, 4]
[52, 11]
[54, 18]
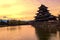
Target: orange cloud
[6, 5]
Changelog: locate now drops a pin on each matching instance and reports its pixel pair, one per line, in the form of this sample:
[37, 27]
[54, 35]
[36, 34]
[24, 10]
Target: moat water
[24, 32]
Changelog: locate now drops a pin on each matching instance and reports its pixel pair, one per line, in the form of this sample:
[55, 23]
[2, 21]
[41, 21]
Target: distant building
[5, 21]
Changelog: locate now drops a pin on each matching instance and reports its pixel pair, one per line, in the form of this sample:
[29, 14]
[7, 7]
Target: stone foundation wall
[47, 26]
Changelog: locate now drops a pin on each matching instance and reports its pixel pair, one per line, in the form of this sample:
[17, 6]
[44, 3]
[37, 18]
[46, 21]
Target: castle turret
[43, 14]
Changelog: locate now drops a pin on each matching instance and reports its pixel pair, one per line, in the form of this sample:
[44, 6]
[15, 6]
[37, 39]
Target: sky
[26, 9]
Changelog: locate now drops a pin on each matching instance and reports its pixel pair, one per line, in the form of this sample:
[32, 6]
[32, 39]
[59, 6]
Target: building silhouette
[43, 14]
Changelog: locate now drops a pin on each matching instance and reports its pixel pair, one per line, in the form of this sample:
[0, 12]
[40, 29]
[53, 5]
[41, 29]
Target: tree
[59, 17]
[59, 20]
[43, 14]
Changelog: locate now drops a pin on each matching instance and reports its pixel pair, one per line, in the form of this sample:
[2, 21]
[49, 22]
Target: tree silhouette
[59, 18]
[43, 14]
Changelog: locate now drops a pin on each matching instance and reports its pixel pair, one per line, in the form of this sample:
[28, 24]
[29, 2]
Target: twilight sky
[26, 9]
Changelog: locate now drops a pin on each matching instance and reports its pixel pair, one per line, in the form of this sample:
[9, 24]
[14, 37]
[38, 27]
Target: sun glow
[24, 9]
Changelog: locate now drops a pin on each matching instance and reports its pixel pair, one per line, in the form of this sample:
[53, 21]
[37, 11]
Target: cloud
[6, 6]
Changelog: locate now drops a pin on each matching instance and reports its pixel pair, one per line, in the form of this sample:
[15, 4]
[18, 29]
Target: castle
[44, 20]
